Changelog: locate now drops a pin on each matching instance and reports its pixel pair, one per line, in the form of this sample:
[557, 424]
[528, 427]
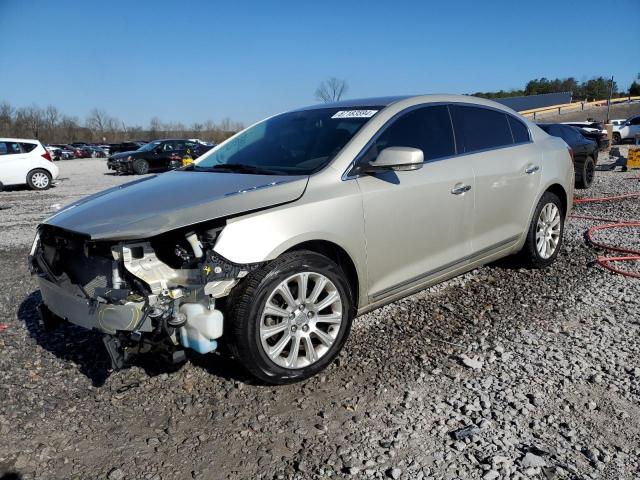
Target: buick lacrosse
[276, 239]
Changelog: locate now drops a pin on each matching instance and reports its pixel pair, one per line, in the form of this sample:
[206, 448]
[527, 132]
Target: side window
[3, 148]
[12, 147]
[519, 130]
[167, 146]
[480, 128]
[27, 147]
[635, 121]
[428, 129]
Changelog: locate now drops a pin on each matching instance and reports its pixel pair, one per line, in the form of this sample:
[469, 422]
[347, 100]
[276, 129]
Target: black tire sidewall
[582, 179]
[141, 166]
[589, 164]
[260, 363]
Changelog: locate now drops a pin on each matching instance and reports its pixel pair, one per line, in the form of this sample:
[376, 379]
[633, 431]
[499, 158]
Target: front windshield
[294, 143]
[148, 146]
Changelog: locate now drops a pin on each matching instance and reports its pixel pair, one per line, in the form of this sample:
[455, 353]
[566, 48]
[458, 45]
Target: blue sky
[190, 61]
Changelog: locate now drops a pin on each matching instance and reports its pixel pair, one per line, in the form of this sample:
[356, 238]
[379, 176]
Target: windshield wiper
[241, 168]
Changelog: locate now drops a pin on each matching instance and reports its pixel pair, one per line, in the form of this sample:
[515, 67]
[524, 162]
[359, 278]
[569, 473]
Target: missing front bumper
[91, 314]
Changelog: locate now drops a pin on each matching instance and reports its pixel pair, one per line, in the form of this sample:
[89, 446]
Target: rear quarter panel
[557, 168]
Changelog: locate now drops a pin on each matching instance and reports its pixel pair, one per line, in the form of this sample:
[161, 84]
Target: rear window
[519, 130]
[480, 128]
[27, 147]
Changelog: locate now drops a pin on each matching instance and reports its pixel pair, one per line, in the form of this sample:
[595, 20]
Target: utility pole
[609, 102]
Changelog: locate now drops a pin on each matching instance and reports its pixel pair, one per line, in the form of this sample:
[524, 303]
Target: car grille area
[75, 262]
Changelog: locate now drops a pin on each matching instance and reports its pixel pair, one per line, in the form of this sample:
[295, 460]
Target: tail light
[46, 155]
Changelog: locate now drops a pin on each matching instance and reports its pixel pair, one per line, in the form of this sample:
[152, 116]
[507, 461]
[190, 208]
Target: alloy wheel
[301, 320]
[548, 230]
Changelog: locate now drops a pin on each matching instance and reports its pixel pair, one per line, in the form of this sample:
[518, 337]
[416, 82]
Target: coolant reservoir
[203, 326]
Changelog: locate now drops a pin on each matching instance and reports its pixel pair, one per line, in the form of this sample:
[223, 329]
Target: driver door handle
[531, 169]
[460, 189]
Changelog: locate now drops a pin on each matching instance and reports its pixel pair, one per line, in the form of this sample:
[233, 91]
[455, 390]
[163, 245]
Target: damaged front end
[159, 294]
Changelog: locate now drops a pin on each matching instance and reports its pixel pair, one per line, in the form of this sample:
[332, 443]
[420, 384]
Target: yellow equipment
[633, 159]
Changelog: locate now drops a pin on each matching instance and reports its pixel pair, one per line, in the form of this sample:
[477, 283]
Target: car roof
[411, 99]
[5, 139]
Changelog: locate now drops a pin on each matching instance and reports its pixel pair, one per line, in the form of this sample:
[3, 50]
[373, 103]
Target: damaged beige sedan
[276, 239]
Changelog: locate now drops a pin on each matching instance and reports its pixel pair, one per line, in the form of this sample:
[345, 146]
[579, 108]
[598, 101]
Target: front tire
[585, 173]
[141, 166]
[289, 319]
[546, 232]
[39, 179]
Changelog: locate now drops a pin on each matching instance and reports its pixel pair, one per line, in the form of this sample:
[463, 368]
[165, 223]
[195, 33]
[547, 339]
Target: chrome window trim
[346, 175]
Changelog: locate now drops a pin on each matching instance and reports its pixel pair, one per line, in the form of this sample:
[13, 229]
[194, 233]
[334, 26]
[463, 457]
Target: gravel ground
[22, 209]
[501, 373]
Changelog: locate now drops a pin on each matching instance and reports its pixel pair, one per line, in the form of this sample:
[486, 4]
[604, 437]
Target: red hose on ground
[633, 255]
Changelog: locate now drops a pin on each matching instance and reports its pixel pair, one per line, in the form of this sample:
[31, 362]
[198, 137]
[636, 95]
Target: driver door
[417, 223]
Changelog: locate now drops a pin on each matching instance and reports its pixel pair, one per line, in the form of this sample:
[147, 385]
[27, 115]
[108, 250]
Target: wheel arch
[339, 255]
[38, 168]
[561, 193]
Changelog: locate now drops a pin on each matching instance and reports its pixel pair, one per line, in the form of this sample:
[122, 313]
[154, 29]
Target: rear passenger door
[417, 223]
[507, 174]
[14, 164]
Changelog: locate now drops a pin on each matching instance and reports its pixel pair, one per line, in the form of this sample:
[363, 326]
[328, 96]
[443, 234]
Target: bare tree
[6, 119]
[331, 90]
[50, 125]
[29, 121]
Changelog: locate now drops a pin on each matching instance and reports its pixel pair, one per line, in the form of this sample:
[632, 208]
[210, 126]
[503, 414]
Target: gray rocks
[474, 363]
[394, 473]
[115, 474]
[531, 460]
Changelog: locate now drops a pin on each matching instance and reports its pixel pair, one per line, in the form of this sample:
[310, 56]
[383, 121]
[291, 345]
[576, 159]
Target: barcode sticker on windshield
[355, 114]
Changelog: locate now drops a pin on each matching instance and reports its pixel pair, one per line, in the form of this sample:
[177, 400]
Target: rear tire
[141, 166]
[585, 173]
[297, 340]
[546, 232]
[616, 138]
[39, 179]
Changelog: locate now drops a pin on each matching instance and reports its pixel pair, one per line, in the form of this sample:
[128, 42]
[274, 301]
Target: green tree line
[593, 89]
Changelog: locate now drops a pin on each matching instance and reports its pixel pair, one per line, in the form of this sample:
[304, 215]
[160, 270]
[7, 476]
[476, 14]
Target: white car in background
[26, 162]
[630, 129]
[618, 122]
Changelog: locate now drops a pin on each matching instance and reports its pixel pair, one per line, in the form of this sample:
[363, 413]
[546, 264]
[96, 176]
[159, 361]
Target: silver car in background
[277, 238]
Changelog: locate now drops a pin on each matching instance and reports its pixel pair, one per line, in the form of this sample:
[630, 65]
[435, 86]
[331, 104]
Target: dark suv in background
[159, 155]
[584, 151]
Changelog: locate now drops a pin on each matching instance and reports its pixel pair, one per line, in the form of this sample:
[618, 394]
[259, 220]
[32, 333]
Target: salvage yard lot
[555, 392]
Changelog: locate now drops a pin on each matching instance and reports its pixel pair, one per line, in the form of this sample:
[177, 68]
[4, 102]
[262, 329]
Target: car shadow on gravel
[86, 349]
[68, 342]
[10, 476]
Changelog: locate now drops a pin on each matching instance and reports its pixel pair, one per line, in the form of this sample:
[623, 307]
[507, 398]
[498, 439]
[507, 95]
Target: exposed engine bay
[157, 294]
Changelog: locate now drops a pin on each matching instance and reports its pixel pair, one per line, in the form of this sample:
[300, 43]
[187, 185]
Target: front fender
[333, 216]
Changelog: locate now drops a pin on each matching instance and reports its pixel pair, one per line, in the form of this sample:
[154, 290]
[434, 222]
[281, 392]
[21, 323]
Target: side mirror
[626, 124]
[396, 158]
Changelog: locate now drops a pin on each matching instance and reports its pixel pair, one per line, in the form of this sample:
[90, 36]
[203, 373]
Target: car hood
[118, 156]
[160, 203]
